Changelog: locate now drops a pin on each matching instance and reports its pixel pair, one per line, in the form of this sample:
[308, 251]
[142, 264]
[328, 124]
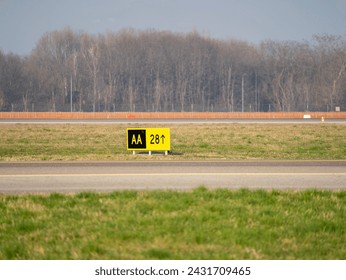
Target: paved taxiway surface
[171, 121]
[40, 177]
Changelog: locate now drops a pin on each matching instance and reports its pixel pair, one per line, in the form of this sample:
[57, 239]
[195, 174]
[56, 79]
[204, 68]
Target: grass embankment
[222, 141]
[199, 224]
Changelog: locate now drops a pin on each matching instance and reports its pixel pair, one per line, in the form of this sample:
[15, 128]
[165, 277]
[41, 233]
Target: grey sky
[23, 22]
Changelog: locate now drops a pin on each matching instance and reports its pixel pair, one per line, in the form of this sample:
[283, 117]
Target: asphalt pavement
[71, 177]
[174, 121]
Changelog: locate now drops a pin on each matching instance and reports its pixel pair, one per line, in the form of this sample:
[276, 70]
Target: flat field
[197, 224]
[27, 142]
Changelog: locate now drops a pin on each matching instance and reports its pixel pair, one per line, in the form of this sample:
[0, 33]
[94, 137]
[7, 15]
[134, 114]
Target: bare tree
[155, 70]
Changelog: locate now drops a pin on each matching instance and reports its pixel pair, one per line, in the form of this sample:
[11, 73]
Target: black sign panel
[136, 139]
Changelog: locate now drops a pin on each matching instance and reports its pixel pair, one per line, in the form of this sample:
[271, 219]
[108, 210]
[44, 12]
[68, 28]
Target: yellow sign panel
[148, 139]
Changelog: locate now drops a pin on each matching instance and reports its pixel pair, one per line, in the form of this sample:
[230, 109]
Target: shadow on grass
[160, 153]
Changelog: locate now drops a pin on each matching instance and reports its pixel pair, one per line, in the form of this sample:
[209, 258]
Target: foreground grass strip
[192, 141]
[199, 224]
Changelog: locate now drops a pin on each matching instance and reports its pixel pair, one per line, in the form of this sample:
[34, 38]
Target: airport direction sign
[148, 139]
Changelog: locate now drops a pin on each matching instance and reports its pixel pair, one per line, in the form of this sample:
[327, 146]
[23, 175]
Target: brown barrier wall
[169, 115]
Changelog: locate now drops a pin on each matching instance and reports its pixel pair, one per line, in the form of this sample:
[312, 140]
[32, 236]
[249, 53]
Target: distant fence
[171, 115]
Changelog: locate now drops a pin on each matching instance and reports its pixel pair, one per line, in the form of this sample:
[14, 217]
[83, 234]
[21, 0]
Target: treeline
[163, 71]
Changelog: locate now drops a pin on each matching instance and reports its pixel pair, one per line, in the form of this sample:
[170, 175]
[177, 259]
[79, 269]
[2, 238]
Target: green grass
[223, 141]
[197, 224]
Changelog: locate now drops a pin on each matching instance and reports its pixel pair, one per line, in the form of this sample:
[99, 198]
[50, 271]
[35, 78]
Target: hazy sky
[23, 22]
